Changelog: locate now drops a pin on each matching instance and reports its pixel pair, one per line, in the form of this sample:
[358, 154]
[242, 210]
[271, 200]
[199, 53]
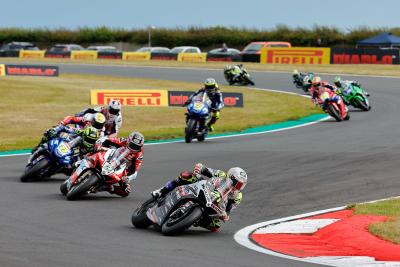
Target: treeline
[196, 36]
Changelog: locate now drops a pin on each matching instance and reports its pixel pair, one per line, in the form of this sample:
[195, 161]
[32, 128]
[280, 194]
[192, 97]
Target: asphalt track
[325, 165]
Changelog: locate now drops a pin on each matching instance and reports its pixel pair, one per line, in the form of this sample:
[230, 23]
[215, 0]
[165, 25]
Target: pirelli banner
[295, 55]
[84, 54]
[32, 53]
[136, 56]
[31, 70]
[178, 98]
[192, 57]
[130, 97]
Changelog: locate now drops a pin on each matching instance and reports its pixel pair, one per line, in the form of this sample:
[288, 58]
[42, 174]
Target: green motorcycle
[356, 97]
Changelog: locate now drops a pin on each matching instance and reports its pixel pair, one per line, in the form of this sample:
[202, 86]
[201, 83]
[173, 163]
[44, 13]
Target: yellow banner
[136, 56]
[32, 53]
[83, 54]
[192, 57]
[295, 55]
[130, 97]
[2, 70]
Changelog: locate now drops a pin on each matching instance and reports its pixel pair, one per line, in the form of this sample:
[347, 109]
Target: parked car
[221, 51]
[255, 47]
[185, 49]
[103, 48]
[12, 49]
[156, 49]
[63, 48]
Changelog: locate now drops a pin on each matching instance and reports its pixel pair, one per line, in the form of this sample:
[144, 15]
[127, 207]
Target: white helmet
[238, 177]
[114, 107]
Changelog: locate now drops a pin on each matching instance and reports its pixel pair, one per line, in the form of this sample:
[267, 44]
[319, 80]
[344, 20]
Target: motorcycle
[55, 156]
[333, 109]
[356, 97]
[95, 172]
[183, 207]
[302, 81]
[243, 79]
[198, 113]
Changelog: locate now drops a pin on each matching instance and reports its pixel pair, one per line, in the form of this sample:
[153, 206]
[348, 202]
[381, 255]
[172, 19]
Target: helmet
[210, 84]
[238, 177]
[337, 81]
[135, 141]
[98, 121]
[90, 136]
[295, 73]
[114, 107]
[316, 81]
[227, 67]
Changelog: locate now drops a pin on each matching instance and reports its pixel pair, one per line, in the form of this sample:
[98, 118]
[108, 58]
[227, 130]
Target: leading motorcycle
[333, 109]
[183, 207]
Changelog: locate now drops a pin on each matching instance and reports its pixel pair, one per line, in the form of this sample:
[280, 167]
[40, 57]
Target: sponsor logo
[83, 54]
[136, 56]
[143, 98]
[296, 55]
[2, 70]
[48, 71]
[361, 59]
[31, 54]
[192, 57]
[178, 98]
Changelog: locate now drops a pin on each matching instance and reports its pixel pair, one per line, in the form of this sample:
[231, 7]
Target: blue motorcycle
[198, 113]
[55, 156]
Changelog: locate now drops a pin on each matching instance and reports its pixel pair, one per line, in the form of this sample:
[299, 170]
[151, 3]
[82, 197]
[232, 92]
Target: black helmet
[90, 136]
[135, 141]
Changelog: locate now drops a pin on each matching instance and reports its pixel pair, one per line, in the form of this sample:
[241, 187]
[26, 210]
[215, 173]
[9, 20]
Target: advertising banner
[32, 70]
[364, 56]
[84, 54]
[2, 70]
[192, 57]
[178, 98]
[136, 56]
[130, 97]
[295, 55]
[31, 53]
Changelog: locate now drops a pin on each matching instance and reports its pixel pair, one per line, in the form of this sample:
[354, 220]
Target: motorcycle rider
[112, 113]
[235, 71]
[134, 158]
[230, 193]
[345, 86]
[217, 102]
[303, 80]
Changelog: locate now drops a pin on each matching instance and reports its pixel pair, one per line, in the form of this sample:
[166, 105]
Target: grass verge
[378, 70]
[32, 104]
[389, 230]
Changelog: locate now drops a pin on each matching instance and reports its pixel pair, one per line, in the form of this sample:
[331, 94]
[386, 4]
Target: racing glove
[216, 196]
[159, 192]
[50, 133]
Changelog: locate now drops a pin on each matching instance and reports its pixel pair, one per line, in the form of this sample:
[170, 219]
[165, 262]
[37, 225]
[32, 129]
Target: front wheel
[334, 112]
[32, 172]
[83, 186]
[139, 218]
[173, 226]
[189, 130]
[361, 104]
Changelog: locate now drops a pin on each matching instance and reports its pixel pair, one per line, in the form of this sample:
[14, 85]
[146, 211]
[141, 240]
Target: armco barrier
[364, 56]
[192, 57]
[32, 53]
[295, 55]
[2, 70]
[130, 97]
[84, 54]
[136, 56]
[49, 54]
[109, 55]
[227, 58]
[178, 98]
[164, 56]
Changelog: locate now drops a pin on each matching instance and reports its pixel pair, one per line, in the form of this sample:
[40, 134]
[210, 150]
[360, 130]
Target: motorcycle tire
[81, 188]
[334, 113]
[189, 130]
[139, 218]
[63, 188]
[184, 223]
[361, 104]
[32, 172]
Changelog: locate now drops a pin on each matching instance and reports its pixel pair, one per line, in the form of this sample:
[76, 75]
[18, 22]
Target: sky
[258, 14]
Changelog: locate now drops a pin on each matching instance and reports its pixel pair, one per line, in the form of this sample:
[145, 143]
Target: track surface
[321, 166]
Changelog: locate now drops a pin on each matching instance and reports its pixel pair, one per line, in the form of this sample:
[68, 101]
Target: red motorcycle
[96, 172]
[335, 109]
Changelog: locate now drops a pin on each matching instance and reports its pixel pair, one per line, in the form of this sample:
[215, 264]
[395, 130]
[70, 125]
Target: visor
[134, 147]
[113, 111]
[97, 125]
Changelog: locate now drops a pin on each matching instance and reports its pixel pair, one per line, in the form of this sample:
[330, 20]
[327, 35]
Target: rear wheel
[83, 186]
[139, 217]
[334, 112]
[174, 225]
[32, 172]
[189, 130]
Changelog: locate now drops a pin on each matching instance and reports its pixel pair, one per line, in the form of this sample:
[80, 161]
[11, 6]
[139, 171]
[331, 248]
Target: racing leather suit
[200, 172]
[217, 103]
[113, 122]
[134, 161]
[322, 88]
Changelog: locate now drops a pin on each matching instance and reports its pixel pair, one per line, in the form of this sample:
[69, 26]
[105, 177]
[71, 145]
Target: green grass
[389, 230]
[32, 104]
